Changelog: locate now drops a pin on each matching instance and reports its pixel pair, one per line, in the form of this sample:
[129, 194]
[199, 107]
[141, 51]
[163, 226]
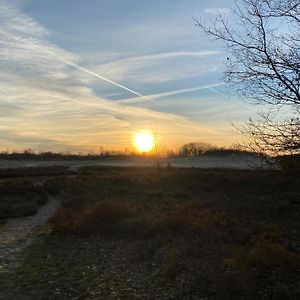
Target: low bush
[102, 218]
[20, 198]
[290, 164]
[268, 256]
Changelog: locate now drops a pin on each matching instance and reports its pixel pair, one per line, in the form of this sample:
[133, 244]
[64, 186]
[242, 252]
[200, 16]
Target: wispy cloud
[19, 36]
[48, 106]
[95, 75]
[156, 67]
[218, 11]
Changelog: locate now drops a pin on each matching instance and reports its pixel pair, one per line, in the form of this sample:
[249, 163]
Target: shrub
[54, 185]
[268, 255]
[103, 218]
[20, 198]
[290, 164]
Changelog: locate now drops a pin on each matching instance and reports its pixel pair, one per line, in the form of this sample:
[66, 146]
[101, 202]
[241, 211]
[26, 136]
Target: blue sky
[51, 52]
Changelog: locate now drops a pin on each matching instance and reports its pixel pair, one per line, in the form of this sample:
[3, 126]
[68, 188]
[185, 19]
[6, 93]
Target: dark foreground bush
[103, 218]
[54, 185]
[20, 198]
[290, 164]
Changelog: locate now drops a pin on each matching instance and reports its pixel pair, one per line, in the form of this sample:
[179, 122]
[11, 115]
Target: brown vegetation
[186, 233]
[237, 223]
[20, 198]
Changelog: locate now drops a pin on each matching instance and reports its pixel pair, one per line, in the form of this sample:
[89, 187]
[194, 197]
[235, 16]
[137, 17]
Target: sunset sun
[144, 141]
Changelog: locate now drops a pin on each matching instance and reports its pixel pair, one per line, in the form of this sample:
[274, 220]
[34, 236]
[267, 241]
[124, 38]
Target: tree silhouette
[263, 39]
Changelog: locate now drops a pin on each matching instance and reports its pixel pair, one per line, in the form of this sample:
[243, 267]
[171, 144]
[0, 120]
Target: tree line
[187, 150]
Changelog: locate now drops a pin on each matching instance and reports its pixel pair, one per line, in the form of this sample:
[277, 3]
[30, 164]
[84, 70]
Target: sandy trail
[18, 233]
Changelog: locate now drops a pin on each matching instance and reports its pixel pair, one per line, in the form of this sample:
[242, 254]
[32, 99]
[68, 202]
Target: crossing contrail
[76, 66]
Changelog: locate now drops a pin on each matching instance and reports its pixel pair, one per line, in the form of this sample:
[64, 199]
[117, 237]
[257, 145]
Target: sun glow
[144, 141]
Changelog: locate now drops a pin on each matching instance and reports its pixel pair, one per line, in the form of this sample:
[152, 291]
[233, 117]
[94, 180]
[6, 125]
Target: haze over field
[76, 77]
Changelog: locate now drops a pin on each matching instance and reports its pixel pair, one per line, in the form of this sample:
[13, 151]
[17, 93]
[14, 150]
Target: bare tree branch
[263, 39]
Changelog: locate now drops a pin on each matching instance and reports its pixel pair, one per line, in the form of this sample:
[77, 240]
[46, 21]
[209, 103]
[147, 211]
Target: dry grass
[186, 233]
[101, 218]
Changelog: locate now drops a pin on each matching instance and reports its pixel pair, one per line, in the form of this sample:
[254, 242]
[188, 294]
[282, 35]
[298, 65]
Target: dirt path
[19, 233]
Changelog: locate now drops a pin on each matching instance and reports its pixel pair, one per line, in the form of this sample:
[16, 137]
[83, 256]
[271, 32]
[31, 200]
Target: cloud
[218, 11]
[19, 36]
[156, 67]
[45, 105]
[18, 141]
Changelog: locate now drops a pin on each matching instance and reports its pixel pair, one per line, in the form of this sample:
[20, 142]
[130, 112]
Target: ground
[147, 233]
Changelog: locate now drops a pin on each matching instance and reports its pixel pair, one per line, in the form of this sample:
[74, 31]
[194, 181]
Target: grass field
[136, 233]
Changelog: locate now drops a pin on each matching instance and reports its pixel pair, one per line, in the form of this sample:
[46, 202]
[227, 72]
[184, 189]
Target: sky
[80, 75]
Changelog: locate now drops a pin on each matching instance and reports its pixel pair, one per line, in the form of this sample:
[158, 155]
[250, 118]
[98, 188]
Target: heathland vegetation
[136, 233]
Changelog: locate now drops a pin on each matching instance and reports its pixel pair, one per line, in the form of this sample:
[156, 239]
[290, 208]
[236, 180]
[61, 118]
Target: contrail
[176, 92]
[217, 92]
[76, 66]
[93, 73]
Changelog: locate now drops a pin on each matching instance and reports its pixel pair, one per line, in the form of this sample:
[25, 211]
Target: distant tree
[195, 149]
[263, 39]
